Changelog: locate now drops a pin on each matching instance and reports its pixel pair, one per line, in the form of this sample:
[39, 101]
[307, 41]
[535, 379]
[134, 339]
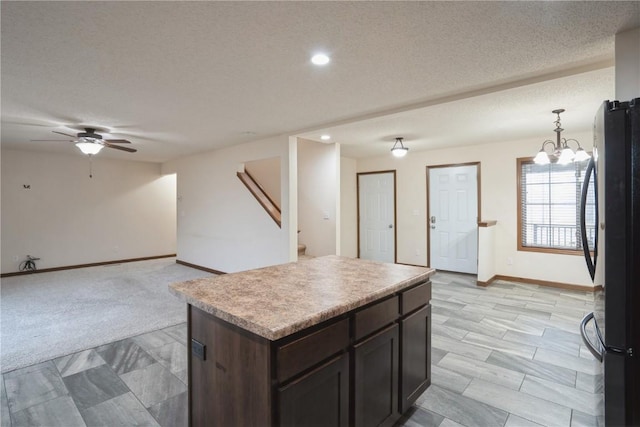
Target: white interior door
[453, 221]
[376, 206]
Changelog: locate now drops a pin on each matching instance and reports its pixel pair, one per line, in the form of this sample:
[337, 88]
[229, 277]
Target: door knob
[433, 220]
[390, 225]
[433, 227]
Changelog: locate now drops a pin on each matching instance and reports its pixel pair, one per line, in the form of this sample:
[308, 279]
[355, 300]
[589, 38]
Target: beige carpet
[47, 315]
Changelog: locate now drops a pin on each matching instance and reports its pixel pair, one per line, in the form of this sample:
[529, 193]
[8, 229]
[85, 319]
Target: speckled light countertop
[274, 302]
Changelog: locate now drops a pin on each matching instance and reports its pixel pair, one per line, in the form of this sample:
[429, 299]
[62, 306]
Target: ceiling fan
[90, 142]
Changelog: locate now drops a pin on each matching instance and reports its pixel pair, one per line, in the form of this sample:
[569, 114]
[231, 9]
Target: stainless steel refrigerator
[612, 331]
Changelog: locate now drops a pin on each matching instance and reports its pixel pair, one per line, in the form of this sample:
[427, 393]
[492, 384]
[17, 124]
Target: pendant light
[399, 150]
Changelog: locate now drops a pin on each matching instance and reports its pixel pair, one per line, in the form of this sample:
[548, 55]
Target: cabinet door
[376, 379]
[415, 354]
[320, 398]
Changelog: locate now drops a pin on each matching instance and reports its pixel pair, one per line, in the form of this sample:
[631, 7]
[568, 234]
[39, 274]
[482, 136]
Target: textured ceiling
[178, 78]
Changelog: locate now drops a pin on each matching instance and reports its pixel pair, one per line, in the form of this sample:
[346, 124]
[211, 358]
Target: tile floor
[506, 355]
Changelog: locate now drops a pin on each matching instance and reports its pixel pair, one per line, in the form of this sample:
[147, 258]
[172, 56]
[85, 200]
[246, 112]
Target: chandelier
[560, 152]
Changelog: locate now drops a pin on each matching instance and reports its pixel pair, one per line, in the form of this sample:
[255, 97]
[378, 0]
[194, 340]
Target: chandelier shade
[560, 151]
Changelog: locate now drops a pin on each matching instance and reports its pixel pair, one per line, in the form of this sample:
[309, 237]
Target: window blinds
[550, 206]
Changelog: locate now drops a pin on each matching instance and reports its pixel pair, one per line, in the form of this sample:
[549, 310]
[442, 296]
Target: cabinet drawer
[415, 297]
[375, 317]
[305, 352]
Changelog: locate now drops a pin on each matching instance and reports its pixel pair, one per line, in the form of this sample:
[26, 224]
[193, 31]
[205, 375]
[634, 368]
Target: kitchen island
[328, 341]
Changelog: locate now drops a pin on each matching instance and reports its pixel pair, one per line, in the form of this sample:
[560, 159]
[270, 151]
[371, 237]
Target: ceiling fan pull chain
[90, 166]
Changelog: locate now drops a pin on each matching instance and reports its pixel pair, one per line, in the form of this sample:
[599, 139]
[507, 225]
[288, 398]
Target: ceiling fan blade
[117, 141]
[65, 134]
[117, 147]
[52, 140]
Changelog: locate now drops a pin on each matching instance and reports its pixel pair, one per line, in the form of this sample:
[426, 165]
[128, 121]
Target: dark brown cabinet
[362, 368]
[320, 398]
[376, 379]
[415, 376]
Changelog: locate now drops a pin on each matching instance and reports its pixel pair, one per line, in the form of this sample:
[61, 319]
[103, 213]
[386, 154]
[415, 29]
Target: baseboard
[199, 267]
[546, 283]
[93, 264]
[411, 265]
[487, 283]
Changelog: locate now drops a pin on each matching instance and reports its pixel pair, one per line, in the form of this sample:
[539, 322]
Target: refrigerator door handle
[597, 350]
[591, 263]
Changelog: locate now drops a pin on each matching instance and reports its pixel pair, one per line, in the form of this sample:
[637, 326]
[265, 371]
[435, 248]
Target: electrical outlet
[417, 252]
[509, 261]
[16, 258]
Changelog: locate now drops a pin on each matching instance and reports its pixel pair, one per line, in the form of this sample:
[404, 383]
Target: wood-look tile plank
[172, 356]
[177, 332]
[518, 403]
[449, 331]
[516, 421]
[512, 325]
[419, 417]
[522, 310]
[436, 355]
[492, 343]
[590, 383]
[588, 403]
[457, 314]
[488, 329]
[533, 367]
[124, 410]
[579, 419]
[5, 418]
[450, 423]
[153, 339]
[33, 385]
[93, 386]
[489, 312]
[466, 411]
[485, 371]
[458, 347]
[78, 362]
[58, 412]
[171, 412]
[449, 379]
[153, 384]
[436, 302]
[555, 323]
[591, 367]
[542, 342]
[125, 356]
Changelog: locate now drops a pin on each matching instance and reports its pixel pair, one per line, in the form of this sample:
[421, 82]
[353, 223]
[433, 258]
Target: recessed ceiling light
[320, 59]
[325, 137]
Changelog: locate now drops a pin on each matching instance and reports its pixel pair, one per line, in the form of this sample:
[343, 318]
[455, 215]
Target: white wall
[498, 202]
[628, 65]
[348, 208]
[127, 210]
[220, 224]
[318, 166]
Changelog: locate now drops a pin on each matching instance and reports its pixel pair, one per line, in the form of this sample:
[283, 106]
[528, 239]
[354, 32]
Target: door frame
[395, 215]
[450, 165]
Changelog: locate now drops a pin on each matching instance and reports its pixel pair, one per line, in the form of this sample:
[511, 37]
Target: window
[549, 207]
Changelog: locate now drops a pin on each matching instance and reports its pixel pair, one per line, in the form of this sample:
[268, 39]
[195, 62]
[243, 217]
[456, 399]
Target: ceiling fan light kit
[89, 148]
